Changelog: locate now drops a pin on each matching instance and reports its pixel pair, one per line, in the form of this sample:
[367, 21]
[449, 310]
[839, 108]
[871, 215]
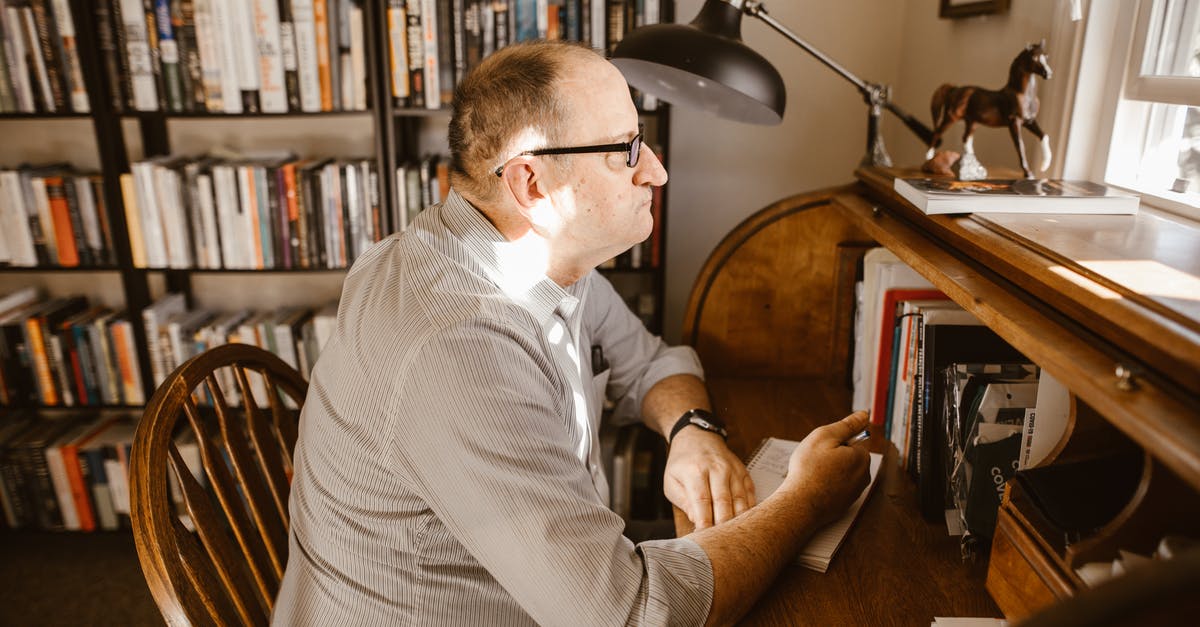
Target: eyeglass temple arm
[876, 95]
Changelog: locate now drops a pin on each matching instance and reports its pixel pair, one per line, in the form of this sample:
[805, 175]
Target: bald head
[509, 103]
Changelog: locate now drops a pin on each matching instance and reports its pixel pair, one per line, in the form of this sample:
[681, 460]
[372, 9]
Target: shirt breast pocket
[599, 385]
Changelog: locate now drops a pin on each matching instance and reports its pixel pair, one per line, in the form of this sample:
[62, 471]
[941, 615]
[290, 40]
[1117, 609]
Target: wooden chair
[229, 570]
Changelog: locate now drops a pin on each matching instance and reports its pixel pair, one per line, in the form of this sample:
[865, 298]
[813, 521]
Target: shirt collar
[501, 260]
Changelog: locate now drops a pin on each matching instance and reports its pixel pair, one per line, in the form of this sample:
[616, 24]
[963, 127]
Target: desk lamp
[705, 65]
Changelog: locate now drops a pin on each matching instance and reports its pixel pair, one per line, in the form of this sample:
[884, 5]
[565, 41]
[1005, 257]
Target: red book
[60, 213]
[79, 491]
[883, 366]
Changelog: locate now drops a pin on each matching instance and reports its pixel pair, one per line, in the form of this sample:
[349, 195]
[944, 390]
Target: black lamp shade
[704, 65]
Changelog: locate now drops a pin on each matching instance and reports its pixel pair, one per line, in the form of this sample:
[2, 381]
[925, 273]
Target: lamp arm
[875, 94]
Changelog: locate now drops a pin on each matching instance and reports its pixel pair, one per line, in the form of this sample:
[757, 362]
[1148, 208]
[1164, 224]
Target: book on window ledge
[768, 466]
[940, 196]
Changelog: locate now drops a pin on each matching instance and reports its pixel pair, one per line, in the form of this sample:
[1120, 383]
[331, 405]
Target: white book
[14, 50]
[20, 298]
[768, 467]
[14, 222]
[882, 271]
[207, 210]
[397, 21]
[39, 64]
[154, 317]
[357, 76]
[599, 25]
[429, 33]
[210, 55]
[153, 236]
[110, 374]
[245, 48]
[58, 477]
[304, 27]
[174, 215]
[137, 53]
[224, 23]
[70, 48]
[249, 230]
[272, 91]
[87, 212]
[1049, 196]
[226, 196]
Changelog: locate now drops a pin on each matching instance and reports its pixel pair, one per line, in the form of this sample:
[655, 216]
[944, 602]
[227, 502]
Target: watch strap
[700, 418]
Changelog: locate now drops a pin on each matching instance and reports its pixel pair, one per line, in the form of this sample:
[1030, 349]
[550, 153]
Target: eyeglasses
[633, 147]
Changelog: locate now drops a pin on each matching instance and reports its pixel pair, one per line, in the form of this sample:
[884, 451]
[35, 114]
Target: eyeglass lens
[635, 151]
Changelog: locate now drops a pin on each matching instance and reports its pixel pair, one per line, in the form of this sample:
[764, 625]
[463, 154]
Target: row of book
[40, 70]
[71, 473]
[65, 352]
[234, 56]
[963, 408]
[175, 333]
[277, 213]
[432, 44]
[54, 216]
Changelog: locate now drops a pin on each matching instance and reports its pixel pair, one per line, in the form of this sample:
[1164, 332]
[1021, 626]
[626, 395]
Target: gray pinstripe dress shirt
[448, 468]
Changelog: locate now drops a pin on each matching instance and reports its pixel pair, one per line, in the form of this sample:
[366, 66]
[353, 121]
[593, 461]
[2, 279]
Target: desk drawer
[1022, 578]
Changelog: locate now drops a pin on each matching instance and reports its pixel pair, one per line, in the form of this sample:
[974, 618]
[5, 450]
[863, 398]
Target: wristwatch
[701, 418]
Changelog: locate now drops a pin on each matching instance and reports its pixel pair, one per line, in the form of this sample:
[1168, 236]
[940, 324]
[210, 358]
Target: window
[1138, 96]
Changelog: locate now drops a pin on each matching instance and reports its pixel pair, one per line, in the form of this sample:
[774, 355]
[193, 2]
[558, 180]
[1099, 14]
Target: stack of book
[39, 58]
[53, 216]
[63, 352]
[419, 184]
[432, 44]
[234, 56]
[282, 213]
[72, 473]
[916, 351]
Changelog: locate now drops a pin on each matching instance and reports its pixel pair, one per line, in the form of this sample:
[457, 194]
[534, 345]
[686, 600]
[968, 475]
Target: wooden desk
[894, 567]
[771, 316]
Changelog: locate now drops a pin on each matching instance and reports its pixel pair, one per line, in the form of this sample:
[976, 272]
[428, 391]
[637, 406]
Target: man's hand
[705, 479]
[829, 474]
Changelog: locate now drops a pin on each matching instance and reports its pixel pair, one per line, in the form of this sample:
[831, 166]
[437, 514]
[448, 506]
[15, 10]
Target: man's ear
[522, 179]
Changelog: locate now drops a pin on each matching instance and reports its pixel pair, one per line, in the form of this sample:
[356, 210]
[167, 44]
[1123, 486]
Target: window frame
[1111, 101]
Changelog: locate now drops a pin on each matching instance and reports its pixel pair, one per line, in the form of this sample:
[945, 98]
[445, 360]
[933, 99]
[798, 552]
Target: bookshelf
[384, 133]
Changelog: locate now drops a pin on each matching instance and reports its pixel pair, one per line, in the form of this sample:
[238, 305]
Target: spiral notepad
[768, 466]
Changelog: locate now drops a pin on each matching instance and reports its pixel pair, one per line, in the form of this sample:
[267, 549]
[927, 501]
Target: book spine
[191, 75]
[137, 53]
[272, 90]
[45, 499]
[288, 54]
[61, 487]
[79, 480]
[75, 215]
[73, 70]
[432, 69]
[209, 55]
[398, 51]
[308, 75]
[324, 63]
[51, 59]
[415, 36]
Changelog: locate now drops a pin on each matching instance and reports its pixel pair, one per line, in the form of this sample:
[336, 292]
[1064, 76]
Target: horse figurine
[1015, 105]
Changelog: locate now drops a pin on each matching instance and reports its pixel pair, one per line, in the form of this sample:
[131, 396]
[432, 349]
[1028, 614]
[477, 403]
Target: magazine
[940, 196]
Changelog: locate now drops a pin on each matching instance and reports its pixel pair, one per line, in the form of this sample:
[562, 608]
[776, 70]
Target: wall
[722, 171]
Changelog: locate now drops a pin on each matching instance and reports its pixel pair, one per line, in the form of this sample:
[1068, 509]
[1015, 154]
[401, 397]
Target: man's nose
[649, 170]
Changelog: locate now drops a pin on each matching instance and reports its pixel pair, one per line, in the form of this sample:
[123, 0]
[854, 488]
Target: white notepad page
[768, 467]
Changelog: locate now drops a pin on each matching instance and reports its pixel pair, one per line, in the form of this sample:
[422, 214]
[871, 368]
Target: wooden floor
[72, 579]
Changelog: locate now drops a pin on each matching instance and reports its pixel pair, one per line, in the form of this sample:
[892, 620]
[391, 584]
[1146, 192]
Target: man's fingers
[700, 505]
[847, 427]
[751, 495]
[722, 496]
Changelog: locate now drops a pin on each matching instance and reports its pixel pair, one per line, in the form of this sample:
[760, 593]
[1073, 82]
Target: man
[448, 469]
